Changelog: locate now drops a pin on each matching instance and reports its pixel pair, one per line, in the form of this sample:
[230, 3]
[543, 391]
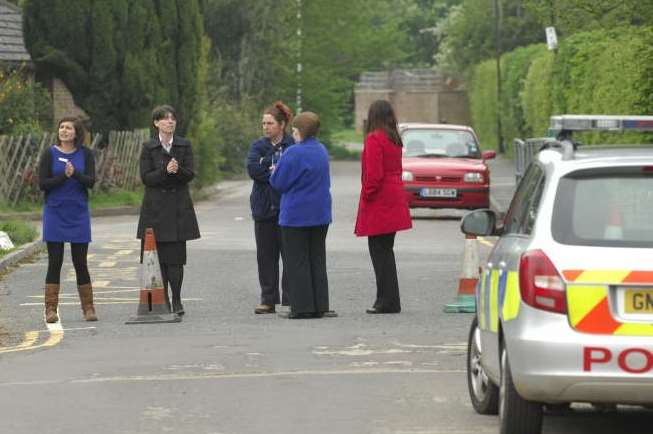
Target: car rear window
[439, 143]
[605, 207]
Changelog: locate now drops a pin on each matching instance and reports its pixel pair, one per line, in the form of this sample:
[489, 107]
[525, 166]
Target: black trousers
[269, 249]
[305, 258]
[173, 276]
[385, 269]
[79, 252]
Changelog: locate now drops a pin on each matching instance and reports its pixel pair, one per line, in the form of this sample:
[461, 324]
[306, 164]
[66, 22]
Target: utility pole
[497, 35]
[298, 101]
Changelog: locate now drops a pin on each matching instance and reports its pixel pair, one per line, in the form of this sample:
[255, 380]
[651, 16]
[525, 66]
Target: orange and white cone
[152, 307]
[466, 298]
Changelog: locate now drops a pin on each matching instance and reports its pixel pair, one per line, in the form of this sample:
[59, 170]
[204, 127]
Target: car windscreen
[439, 143]
[610, 207]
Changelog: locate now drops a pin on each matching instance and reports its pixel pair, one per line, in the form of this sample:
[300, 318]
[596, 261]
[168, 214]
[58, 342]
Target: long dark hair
[79, 130]
[381, 116]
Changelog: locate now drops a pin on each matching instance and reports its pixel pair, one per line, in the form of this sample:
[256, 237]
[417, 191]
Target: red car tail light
[540, 283]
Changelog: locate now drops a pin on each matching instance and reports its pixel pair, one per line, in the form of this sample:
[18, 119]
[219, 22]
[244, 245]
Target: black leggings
[55, 261]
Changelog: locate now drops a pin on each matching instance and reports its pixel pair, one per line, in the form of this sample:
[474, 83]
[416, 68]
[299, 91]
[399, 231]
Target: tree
[421, 21]
[120, 57]
[470, 35]
[571, 16]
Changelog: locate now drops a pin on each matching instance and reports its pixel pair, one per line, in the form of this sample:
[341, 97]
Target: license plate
[638, 301]
[438, 192]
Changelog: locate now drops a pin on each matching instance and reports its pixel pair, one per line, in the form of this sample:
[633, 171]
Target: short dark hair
[381, 116]
[162, 111]
[79, 129]
[308, 124]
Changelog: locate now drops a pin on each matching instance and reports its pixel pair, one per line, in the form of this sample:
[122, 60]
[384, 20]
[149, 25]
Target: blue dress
[66, 217]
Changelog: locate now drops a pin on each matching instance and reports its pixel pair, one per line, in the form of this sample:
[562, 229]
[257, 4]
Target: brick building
[13, 54]
[417, 95]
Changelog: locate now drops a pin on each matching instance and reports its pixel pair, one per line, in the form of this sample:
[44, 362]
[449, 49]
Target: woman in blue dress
[66, 172]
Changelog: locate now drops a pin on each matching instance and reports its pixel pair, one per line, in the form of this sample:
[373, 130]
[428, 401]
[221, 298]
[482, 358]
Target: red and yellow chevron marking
[589, 308]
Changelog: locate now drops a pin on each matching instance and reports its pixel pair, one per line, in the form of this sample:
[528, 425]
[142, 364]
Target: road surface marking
[56, 336]
[105, 300]
[239, 375]
[485, 242]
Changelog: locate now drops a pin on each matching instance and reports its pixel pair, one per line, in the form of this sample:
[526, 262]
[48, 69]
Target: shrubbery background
[592, 73]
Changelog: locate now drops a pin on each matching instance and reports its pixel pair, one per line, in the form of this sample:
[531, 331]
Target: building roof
[12, 45]
[406, 79]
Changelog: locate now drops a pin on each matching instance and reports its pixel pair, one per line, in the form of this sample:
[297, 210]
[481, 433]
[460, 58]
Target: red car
[443, 167]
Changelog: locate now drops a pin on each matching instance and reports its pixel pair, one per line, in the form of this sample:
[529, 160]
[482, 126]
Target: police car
[565, 299]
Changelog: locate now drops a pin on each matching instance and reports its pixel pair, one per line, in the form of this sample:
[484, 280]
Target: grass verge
[19, 232]
[347, 136]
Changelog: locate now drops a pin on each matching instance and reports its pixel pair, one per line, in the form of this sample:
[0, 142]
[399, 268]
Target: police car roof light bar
[564, 125]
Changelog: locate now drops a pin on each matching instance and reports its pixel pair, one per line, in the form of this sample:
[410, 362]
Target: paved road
[226, 370]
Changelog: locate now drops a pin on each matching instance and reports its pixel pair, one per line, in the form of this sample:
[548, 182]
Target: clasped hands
[70, 169]
[173, 166]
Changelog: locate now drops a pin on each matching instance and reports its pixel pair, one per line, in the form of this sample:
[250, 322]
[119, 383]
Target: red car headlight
[407, 176]
[474, 177]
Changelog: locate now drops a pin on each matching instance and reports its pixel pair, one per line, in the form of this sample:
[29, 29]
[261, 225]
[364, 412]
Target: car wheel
[482, 391]
[516, 415]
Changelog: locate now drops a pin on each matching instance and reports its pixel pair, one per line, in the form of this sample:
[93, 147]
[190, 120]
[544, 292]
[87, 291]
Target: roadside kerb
[21, 253]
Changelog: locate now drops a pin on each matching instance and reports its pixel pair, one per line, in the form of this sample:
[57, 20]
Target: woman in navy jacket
[302, 177]
[264, 201]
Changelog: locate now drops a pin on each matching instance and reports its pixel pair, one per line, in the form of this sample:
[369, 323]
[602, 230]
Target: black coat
[264, 200]
[167, 205]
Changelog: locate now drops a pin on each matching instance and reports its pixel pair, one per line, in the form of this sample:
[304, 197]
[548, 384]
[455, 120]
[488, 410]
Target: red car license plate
[439, 192]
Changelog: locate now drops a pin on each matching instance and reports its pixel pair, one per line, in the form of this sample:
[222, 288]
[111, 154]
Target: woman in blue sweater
[66, 173]
[302, 178]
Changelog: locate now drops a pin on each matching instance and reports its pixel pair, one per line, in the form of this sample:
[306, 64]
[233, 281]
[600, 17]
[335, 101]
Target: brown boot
[86, 299]
[51, 302]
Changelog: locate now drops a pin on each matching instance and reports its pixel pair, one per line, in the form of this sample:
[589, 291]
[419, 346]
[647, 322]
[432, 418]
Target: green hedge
[592, 73]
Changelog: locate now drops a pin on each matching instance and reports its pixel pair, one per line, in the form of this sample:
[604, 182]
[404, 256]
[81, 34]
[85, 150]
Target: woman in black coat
[166, 167]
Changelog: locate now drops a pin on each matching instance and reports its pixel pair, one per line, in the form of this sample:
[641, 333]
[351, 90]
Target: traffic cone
[466, 298]
[614, 228]
[152, 307]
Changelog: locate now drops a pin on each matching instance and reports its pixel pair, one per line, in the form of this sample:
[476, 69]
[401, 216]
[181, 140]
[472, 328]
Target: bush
[536, 95]
[25, 105]
[483, 102]
[593, 73]
[19, 232]
[514, 69]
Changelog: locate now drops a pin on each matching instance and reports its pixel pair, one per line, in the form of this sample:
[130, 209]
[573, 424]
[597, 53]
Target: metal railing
[525, 151]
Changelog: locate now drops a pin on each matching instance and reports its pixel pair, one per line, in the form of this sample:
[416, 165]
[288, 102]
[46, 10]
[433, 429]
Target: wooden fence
[116, 163]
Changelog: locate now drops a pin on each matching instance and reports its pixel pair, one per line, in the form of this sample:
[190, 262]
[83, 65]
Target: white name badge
[63, 160]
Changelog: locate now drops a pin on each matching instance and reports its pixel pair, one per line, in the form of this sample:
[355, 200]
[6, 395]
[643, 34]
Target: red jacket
[383, 207]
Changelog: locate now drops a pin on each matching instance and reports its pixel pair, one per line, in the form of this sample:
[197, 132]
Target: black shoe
[177, 307]
[303, 315]
[375, 310]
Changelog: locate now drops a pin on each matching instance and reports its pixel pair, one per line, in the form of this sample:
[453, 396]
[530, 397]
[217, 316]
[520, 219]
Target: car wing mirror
[489, 155]
[481, 222]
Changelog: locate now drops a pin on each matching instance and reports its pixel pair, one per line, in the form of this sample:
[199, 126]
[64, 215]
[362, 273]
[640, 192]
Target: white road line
[236, 375]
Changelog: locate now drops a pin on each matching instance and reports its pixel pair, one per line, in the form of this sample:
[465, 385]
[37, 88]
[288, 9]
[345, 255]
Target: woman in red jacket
[383, 208]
